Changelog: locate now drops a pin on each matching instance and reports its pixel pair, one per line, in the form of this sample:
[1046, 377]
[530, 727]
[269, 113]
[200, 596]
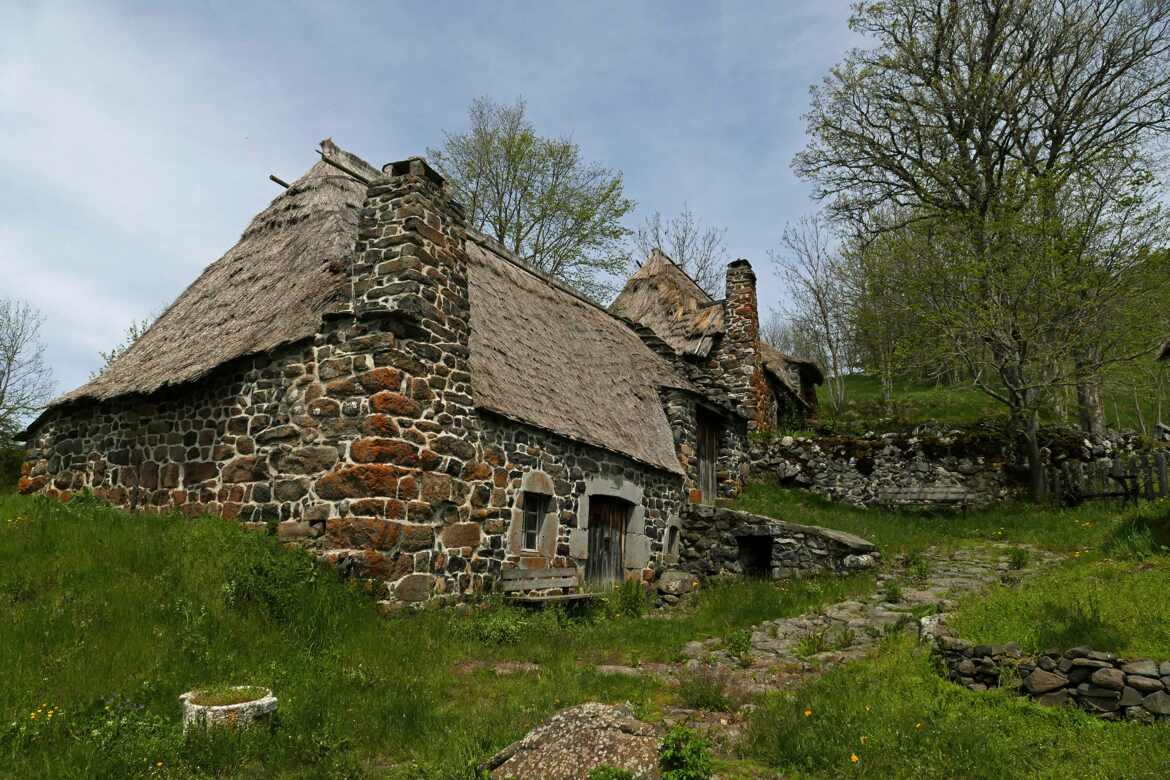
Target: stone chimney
[739, 354]
[410, 298]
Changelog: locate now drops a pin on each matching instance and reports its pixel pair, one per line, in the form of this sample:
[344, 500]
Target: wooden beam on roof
[343, 169]
[278, 180]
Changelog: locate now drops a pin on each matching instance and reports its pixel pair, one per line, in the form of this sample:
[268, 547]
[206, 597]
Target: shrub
[500, 626]
[10, 460]
[1018, 558]
[917, 566]
[607, 772]
[1143, 534]
[627, 600]
[892, 591]
[704, 690]
[812, 643]
[684, 755]
[739, 645]
[259, 576]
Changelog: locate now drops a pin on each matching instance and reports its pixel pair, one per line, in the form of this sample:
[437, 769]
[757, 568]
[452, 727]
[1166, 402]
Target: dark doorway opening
[755, 555]
[607, 540]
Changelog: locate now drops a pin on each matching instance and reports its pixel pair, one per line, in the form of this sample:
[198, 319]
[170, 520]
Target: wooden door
[607, 540]
[707, 430]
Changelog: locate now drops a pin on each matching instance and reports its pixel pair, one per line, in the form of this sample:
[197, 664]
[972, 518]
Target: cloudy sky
[136, 139]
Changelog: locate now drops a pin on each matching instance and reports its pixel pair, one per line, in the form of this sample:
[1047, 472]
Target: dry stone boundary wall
[1097, 682]
[929, 468]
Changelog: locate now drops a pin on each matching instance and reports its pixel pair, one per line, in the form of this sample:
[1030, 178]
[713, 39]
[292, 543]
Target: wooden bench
[518, 585]
[926, 498]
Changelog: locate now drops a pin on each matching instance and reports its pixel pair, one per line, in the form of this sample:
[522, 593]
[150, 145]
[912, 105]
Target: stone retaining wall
[929, 468]
[718, 541]
[1100, 683]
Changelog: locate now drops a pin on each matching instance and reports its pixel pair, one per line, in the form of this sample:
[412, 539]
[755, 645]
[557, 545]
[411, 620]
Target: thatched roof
[540, 353]
[788, 369]
[661, 296]
[269, 289]
[545, 356]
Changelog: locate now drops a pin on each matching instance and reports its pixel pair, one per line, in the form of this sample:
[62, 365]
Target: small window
[671, 540]
[535, 508]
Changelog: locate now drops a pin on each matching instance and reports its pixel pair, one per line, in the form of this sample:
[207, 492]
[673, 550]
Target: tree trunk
[1032, 450]
[1090, 405]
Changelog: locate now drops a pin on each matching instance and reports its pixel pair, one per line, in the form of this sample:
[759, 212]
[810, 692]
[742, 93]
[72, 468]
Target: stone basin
[258, 708]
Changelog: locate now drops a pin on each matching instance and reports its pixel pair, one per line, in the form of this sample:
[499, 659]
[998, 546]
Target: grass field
[898, 532]
[108, 617]
[899, 718]
[916, 402]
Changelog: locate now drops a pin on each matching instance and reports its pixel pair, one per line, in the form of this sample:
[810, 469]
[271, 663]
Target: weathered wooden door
[607, 540]
[707, 430]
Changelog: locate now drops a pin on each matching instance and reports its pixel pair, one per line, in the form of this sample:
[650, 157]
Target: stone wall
[719, 541]
[929, 467]
[885, 470]
[1097, 682]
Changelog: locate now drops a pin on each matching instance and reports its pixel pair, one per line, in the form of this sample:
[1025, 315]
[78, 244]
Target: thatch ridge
[544, 355]
[786, 369]
[291, 263]
[664, 298]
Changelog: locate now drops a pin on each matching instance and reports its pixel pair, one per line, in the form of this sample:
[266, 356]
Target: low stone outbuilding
[370, 377]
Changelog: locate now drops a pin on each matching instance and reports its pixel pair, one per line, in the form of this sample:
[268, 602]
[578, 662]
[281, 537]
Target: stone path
[785, 653]
[788, 652]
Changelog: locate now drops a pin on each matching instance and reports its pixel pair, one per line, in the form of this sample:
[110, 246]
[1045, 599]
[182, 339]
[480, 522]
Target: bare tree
[537, 196]
[696, 248]
[26, 382]
[810, 265]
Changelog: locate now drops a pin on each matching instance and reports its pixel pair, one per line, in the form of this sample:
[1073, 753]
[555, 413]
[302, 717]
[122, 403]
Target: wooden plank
[551, 582]
[519, 574]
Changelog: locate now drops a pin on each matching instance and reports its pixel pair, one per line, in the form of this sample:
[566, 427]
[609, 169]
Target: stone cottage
[367, 376]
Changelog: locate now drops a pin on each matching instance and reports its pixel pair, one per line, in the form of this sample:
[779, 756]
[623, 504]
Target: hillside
[959, 405]
[108, 617]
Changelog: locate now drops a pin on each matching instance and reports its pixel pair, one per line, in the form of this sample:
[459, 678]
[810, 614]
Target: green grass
[902, 720]
[907, 531]
[222, 695]
[107, 618]
[916, 402]
[1118, 606]
[1113, 598]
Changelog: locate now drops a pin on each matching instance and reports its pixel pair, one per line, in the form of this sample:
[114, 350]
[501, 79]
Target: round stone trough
[258, 706]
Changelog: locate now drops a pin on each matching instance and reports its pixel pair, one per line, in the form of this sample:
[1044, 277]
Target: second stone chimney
[740, 358]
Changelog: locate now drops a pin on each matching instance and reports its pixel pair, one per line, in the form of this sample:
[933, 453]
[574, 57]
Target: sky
[136, 139]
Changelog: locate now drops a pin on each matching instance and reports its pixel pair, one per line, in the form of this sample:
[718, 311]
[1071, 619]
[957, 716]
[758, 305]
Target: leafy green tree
[537, 196]
[981, 129]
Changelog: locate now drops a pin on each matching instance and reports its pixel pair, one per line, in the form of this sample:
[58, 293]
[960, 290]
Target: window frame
[535, 507]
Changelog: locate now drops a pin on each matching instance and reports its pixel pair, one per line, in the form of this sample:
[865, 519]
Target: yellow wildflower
[808, 712]
[854, 757]
[918, 726]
